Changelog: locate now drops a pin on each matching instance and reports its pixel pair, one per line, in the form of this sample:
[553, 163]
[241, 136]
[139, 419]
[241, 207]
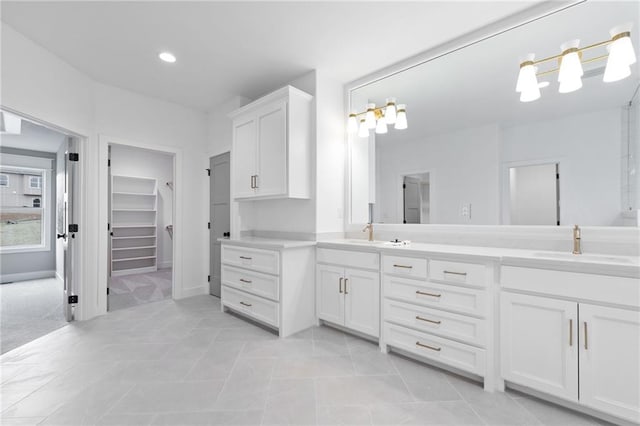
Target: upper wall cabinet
[271, 153]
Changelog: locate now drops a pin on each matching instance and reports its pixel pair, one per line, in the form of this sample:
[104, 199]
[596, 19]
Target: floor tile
[126, 420]
[424, 382]
[555, 415]
[216, 362]
[343, 415]
[251, 417]
[247, 386]
[290, 402]
[425, 413]
[165, 370]
[369, 390]
[326, 366]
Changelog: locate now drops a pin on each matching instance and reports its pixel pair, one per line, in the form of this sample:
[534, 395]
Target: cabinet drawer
[352, 259]
[255, 259]
[252, 282]
[459, 299]
[414, 267]
[253, 306]
[467, 329]
[448, 352]
[458, 272]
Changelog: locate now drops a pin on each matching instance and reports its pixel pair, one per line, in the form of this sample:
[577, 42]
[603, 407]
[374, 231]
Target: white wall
[38, 84]
[587, 147]
[463, 168]
[131, 161]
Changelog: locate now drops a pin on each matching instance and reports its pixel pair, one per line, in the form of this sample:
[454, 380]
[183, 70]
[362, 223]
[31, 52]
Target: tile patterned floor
[28, 310]
[126, 291]
[186, 363]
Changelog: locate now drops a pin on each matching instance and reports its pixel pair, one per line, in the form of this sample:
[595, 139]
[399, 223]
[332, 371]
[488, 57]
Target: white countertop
[266, 243]
[625, 266]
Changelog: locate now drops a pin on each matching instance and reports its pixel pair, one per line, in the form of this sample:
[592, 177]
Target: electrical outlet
[465, 211]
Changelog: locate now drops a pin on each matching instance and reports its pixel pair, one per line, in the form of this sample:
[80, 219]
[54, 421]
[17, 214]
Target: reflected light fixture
[378, 118]
[620, 55]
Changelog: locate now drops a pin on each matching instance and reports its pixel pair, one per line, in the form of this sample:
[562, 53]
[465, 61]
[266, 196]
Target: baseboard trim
[189, 292]
[165, 265]
[26, 276]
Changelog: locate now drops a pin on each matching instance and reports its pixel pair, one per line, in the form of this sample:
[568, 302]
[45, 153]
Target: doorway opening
[37, 228]
[534, 194]
[416, 190]
[141, 210]
[219, 215]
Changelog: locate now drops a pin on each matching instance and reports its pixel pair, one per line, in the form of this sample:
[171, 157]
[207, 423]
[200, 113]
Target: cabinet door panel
[329, 294]
[539, 343]
[272, 150]
[609, 360]
[362, 301]
[244, 157]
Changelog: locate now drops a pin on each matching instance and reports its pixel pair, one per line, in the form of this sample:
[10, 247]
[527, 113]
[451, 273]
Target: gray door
[67, 234]
[219, 211]
[411, 190]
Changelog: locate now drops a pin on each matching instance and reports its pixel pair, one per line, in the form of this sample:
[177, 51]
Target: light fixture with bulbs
[378, 118]
[620, 56]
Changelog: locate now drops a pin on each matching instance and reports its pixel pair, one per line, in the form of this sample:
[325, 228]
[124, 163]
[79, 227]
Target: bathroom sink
[598, 258]
[366, 242]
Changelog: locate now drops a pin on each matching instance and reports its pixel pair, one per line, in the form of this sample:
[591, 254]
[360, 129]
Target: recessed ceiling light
[167, 57]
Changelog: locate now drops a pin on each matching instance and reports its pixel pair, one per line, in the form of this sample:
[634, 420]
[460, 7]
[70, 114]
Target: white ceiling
[240, 48]
[476, 85]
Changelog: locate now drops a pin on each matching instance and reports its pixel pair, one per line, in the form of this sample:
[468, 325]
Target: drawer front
[448, 352]
[445, 324]
[413, 267]
[255, 259]
[250, 305]
[352, 259]
[459, 299]
[252, 282]
[458, 272]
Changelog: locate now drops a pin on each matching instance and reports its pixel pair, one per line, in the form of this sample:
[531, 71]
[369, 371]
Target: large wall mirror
[473, 153]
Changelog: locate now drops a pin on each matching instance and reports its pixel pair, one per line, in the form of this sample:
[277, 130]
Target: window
[35, 182]
[23, 211]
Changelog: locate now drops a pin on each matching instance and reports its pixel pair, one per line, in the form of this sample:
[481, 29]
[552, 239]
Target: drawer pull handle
[433, 348]
[346, 281]
[340, 285]
[245, 258]
[245, 281]
[570, 332]
[403, 266]
[428, 294]
[245, 304]
[418, 317]
[463, 274]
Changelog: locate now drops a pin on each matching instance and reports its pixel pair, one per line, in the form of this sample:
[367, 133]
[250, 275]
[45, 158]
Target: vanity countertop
[624, 266]
[266, 243]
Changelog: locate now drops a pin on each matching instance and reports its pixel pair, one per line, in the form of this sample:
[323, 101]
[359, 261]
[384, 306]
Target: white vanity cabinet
[558, 336]
[438, 309]
[271, 151]
[271, 285]
[348, 296]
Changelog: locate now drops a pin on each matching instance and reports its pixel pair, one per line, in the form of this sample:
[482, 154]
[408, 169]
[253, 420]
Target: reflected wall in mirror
[469, 133]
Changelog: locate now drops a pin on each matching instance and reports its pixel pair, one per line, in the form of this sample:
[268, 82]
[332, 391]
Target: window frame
[6, 176]
[38, 180]
[35, 166]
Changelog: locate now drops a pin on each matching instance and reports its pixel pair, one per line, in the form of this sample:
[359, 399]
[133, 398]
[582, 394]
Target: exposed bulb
[370, 117]
[401, 117]
[390, 111]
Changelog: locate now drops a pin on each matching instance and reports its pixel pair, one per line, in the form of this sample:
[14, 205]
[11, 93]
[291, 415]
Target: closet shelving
[134, 217]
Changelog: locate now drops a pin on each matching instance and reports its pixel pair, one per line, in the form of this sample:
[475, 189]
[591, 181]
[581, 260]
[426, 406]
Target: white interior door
[272, 150]
[539, 343]
[412, 200]
[362, 301]
[533, 195]
[330, 293]
[219, 215]
[610, 360]
[68, 234]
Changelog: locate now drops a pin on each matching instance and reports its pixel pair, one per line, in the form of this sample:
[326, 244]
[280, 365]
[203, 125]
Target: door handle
[586, 345]
[255, 181]
[346, 281]
[340, 285]
[433, 348]
[427, 294]
[570, 332]
[252, 184]
[65, 236]
[418, 317]
[246, 304]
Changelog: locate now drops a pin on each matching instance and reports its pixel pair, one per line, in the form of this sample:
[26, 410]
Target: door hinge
[209, 278]
[73, 156]
[208, 225]
[73, 227]
[404, 186]
[208, 172]
[558, 176]
[107, 291]
[73, 299]
[108, 163]
[108, 227]
[558, 223]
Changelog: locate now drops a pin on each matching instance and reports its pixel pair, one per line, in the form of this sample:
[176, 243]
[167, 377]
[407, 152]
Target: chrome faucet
[370, 228]
[577, 237]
